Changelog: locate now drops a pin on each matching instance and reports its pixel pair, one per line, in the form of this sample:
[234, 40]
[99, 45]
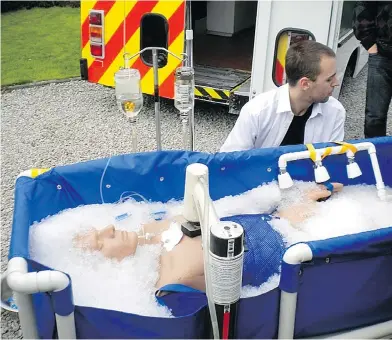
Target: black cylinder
[83, 69]
[226, 265]
[227, 247]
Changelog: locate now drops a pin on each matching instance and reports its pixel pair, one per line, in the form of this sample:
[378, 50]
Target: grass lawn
[40, 44]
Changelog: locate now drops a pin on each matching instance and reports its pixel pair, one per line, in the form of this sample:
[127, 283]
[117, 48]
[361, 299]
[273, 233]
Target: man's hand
[373, 49]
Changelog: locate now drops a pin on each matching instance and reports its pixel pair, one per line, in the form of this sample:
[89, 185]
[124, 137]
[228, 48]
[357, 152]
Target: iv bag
[128, 91]
[184, 89]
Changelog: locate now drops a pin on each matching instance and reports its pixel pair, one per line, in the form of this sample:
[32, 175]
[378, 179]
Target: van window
[154, 30]
[284, 39]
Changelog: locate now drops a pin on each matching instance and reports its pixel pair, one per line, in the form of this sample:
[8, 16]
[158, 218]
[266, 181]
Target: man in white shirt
[299, 112]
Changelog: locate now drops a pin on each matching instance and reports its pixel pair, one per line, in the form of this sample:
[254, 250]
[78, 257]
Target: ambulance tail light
[96, 51]
[284, 39]
[95, 18]
[96, 33]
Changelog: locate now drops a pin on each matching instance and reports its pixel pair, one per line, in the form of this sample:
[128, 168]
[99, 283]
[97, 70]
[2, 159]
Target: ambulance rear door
[280, 23]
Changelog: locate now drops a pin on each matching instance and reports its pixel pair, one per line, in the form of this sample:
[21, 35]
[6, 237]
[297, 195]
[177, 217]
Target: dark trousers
[378, 95]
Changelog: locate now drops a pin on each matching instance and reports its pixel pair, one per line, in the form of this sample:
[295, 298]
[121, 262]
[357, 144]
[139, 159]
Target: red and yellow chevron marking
[280, 57]
[122, 34]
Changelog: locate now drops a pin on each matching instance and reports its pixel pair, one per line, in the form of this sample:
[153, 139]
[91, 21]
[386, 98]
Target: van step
[215, 84]
[219, 78]
[243, 89]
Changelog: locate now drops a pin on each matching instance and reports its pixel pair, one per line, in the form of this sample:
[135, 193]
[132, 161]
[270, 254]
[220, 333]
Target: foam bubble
[355, 210]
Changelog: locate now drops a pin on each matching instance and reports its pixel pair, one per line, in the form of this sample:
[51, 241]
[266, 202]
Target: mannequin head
[110, 242]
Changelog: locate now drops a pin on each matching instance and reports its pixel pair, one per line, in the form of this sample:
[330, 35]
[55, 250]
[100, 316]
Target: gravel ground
[71, 122]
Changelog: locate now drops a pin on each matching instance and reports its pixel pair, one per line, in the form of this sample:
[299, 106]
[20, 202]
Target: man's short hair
[303, 60]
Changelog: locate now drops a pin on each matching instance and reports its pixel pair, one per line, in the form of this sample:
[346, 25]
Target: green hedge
[7, 6]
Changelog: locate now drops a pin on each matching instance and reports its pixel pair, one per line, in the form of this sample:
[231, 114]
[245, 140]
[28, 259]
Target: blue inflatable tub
[346, 286]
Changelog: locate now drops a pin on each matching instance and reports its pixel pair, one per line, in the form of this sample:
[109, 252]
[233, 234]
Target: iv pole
[189, 63]
[156, 84]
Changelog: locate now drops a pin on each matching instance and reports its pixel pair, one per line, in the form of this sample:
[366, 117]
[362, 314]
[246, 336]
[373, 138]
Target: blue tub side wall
[347, 284]
[344, 294]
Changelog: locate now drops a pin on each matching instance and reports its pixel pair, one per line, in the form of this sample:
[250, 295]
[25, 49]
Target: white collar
[284, 102]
